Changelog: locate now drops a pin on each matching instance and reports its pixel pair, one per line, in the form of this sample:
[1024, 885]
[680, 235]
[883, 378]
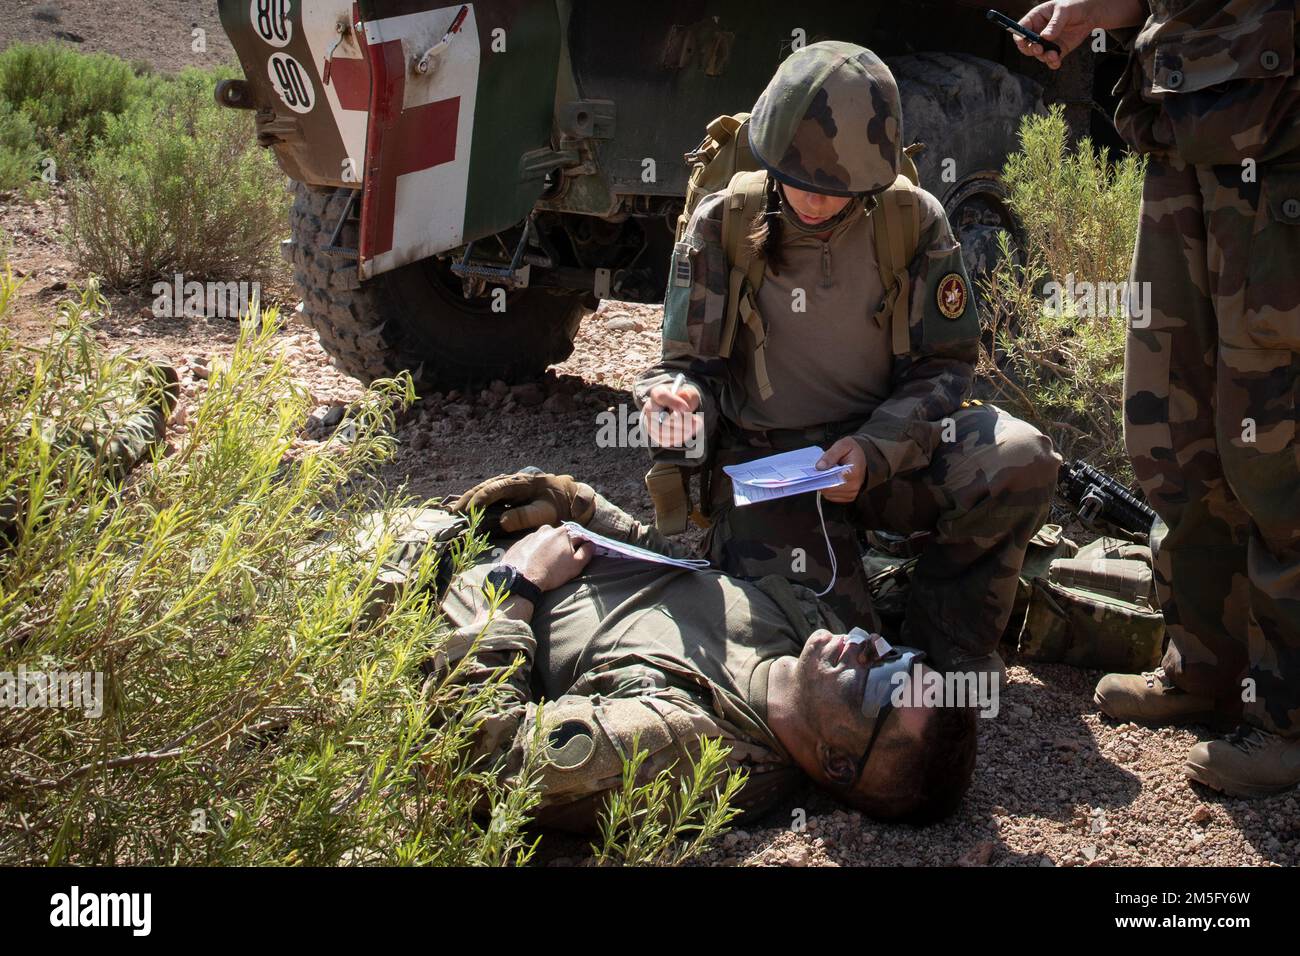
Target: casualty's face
[814, 208]
[830, 677]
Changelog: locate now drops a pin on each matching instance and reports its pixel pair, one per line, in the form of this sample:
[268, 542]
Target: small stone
[624, 325]
[978, 855]
[499, 387]
[559, 402]
[529, 394]
[419, 440]
[798, 855]
[1202, 814]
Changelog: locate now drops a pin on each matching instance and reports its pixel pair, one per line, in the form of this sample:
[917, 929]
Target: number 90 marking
[271, 21]
[291, 82]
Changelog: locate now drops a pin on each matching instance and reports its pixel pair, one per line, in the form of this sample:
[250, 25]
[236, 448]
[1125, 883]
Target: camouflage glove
[534, 500]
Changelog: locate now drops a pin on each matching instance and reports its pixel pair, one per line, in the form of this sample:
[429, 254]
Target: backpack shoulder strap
[896, 222]
[746, 198]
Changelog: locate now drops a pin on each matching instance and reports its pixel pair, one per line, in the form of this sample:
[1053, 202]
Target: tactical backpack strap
[723, 151]
[746, 200]
[896, 222]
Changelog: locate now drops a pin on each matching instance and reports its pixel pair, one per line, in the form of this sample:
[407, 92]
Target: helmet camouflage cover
[830, 121]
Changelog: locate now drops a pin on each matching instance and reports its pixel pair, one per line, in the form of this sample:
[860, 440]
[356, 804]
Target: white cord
[829, 550]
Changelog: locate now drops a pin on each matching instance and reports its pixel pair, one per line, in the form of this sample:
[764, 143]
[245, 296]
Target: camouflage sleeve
[586, 737]
[929, 382]
[613, 522]
[488, 648]
[694, 313]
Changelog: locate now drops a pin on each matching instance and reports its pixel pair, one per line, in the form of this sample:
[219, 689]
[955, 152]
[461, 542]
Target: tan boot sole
[1246, 791]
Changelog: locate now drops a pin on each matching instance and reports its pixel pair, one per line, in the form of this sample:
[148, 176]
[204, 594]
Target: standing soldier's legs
[1253, 254]
[1169, 432]
[984, 494]
[1210, 421]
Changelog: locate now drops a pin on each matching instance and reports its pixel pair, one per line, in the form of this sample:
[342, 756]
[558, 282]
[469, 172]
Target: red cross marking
[398, 141]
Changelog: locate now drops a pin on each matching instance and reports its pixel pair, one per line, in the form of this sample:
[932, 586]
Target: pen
[677, 384]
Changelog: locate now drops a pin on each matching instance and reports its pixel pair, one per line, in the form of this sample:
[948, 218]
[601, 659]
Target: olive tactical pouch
[1092, 607]
[1096, 610]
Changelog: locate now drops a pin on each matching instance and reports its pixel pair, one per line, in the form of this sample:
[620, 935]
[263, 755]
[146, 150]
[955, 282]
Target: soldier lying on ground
[624, 650]
[112, 452]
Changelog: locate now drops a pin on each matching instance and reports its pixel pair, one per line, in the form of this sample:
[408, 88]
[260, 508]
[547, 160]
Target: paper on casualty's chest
[609, 547]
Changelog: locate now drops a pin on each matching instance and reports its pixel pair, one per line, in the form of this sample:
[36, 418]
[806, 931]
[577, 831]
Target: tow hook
[235, 94]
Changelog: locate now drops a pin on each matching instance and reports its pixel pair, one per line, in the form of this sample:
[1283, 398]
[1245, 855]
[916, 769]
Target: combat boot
[1248, 763]
[1150, 698]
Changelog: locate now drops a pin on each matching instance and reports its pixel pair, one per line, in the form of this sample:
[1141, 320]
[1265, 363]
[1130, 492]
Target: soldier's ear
[837, 765]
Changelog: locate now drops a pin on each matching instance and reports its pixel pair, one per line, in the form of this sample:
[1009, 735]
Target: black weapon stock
[1095, 495]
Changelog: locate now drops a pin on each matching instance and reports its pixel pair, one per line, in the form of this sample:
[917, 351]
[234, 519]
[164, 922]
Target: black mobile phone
[1007, 23]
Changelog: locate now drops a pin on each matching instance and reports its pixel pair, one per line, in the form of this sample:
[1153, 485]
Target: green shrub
[19, 154]
[1059, 368]
[178, 184]
[659, 824]
[253, 712]
[68, 96]
[255, 708]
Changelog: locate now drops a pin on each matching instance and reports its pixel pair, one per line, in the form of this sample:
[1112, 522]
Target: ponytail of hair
[765, 239]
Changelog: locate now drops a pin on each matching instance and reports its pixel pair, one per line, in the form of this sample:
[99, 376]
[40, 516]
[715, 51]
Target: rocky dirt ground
[155, 32]
[1056, 784]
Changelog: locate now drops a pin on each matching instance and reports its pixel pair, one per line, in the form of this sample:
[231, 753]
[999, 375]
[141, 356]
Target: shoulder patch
[951, 295]
[570, 745]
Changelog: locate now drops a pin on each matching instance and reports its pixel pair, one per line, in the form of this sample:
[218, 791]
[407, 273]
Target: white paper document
[778, 476]
[608, 547]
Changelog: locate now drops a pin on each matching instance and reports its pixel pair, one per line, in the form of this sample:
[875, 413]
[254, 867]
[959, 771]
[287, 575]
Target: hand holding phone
[1011, 26]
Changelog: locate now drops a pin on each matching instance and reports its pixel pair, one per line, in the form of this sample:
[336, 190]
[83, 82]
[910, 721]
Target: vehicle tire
[415, 317]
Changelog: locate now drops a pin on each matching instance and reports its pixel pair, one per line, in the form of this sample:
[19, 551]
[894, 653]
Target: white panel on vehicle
[431, 202]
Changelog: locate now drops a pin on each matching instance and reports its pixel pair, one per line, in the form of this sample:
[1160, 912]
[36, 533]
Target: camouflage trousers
[982, 496]
[1211, 388]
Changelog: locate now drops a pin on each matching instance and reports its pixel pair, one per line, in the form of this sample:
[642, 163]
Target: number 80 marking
[271, 21]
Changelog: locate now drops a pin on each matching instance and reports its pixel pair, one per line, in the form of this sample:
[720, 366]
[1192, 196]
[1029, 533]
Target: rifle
[1096, 495]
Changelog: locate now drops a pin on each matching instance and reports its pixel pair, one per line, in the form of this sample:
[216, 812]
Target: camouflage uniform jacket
[1213, 82]
[895, 419]
[632, 650]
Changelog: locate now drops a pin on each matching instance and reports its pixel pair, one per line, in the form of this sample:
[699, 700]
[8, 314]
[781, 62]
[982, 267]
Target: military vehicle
[470, 179]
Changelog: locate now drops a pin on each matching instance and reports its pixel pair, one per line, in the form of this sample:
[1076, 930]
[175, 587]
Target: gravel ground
[157, 32]
[1055, 785]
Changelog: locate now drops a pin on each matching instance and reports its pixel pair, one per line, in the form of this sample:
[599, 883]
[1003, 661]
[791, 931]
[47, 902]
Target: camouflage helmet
[830, 121]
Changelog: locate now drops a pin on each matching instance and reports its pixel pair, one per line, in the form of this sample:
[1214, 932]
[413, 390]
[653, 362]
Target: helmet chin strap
[794, 222]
